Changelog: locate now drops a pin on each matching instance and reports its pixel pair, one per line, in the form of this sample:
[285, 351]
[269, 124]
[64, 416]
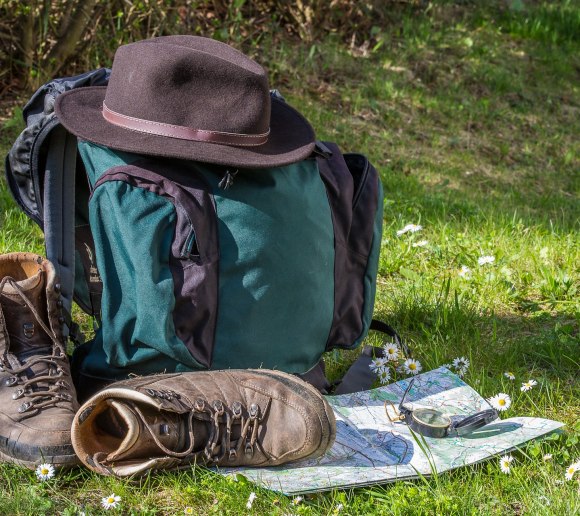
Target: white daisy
[461, 365]
[297, 500]
[545, 500]
[391, 351]
[378, 364]
[500, 401]
[547, 457]
[483, 260]
[188, 510]
[446, 366]
[420, 243]
[464, 272]
[45, 472]
[571, 469]
[409, 228]
[110, 502]
[505, 463]
[384, 376]
[509, 375]
[412, 366]
[251, 499]
[338, 508]
[527, 386]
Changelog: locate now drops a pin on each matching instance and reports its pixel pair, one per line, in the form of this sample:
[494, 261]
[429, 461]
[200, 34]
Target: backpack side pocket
[354, 195]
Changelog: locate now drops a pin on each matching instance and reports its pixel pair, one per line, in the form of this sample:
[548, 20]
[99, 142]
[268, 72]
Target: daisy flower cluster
[505, 463]
[503, 401]
[413, 228]
[526, 386]
[459, 365]
[409, 228]
[393, 358]
[465, 272]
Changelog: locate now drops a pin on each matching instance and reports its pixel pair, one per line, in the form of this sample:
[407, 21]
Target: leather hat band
[182, 132]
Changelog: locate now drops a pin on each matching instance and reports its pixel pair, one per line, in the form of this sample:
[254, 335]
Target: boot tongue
[25, 333]
[139, 427]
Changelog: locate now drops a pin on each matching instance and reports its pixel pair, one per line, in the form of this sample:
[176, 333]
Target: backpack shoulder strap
[59, 210]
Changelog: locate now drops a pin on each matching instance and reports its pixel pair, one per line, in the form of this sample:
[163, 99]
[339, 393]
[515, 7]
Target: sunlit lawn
[475, 133]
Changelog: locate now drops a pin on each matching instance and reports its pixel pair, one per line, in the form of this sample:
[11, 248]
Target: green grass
[472, 116]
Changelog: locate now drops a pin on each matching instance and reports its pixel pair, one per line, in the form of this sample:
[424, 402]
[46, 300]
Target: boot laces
[220, 435]
[229, 447]
[55, 363]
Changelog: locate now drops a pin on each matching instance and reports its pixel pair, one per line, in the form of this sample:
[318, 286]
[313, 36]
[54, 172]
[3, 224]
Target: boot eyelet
[151, 392]
[57, 287]
[24, 407]
[253, 411]
[10, 381]
[249, 450]
[18, 394]
[233, 455]
[218, 407]
[236, 409]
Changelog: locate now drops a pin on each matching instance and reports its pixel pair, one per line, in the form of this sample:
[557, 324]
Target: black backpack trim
[41, 172]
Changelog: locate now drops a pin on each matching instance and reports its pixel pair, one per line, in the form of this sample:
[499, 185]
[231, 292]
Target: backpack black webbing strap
[59, 216]
[359, 376]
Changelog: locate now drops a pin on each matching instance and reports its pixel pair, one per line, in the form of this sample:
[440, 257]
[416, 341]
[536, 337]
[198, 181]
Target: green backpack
[189, 266]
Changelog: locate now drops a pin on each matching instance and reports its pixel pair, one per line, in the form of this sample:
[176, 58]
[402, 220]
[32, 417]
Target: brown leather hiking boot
[224, 418]
[37, 397]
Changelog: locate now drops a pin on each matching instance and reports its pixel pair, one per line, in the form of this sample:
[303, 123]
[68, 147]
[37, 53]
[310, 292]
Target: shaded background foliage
[42, 38]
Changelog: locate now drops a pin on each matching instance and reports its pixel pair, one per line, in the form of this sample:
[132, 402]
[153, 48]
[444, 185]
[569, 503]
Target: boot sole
[34, 456]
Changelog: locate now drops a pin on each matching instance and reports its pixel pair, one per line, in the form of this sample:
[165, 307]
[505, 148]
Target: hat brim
[291, 137]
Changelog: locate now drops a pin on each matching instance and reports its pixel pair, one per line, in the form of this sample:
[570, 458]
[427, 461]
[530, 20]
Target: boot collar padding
[89, 442]
[133, 425]
[25, 284]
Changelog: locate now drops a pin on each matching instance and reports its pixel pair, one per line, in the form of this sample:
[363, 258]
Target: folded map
[371, 449]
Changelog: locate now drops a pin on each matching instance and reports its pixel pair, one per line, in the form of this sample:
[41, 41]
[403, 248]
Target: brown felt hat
[192, 98]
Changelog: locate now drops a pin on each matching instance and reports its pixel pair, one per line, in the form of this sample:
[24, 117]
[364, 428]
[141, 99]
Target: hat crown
[190, 81]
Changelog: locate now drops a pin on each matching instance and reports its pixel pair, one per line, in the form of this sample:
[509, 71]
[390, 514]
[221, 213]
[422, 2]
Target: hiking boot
[37, 397]
[215, 418]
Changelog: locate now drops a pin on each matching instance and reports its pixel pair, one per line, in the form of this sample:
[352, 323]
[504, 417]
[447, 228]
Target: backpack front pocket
[155, 232]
